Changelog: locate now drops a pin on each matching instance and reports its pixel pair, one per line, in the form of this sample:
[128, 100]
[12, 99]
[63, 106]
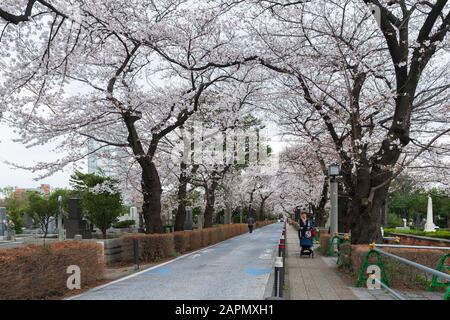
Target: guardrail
[410, 246]
[437, 274]
[415, 265]
[278, 286]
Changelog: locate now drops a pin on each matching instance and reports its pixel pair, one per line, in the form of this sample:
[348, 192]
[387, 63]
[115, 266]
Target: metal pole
[396, 295]
[279, 277]
[136, 254]
[410, 247]
[334, 205]
[415, 265]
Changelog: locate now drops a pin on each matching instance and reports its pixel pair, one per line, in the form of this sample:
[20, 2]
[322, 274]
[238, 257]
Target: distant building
[92, 157]
[97, 163]
[43, 189]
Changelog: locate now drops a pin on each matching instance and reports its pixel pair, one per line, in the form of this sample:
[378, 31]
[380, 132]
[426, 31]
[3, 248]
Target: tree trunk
[261, 210]
[209, 208]
[319, 212]
[228, 206]
[182, 199]
[151, 208]
[366, 211]
[344, 215]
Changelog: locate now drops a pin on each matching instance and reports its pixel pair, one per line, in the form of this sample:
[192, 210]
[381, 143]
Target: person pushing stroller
[306, 235]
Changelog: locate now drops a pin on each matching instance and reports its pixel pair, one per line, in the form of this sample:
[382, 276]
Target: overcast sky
[17, 153]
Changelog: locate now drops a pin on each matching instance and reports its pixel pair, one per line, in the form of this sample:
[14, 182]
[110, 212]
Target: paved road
[238, 268]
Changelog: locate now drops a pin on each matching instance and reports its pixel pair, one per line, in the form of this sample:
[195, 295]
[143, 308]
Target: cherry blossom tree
[140, 71]
[367, 84]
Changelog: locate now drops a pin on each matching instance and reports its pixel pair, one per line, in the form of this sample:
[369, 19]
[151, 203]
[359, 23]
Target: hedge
[40, 272]
[152, 247]
[440, 234]
[398, 274]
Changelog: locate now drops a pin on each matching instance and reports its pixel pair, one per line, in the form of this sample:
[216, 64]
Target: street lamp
[333, 172]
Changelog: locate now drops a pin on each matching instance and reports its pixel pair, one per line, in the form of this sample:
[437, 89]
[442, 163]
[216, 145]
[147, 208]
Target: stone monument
[200, 221]
[75, 225]
[51, 228]
[188, 220]
[134, 215]
[429, 225]
[3, 229]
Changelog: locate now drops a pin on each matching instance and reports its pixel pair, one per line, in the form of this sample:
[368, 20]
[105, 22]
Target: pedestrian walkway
[312, 279]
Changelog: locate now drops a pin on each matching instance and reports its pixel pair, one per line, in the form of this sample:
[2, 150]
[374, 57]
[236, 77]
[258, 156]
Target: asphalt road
[238, 268]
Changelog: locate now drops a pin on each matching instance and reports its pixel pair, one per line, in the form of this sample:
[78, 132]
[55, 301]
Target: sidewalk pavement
[312, 279]
[318, 279]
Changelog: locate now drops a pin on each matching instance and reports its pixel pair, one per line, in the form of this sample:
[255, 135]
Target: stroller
[306, 235]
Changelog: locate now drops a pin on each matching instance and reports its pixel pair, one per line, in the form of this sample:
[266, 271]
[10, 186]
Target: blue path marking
[257, 272]
[160, 271]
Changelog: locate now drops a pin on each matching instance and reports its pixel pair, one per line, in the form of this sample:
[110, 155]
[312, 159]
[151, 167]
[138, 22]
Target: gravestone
[51, 229]
[28, 221]
[188, 220]
[141, 222]
[2, 219]
[134, 215]
[75, 225]
[200, 220]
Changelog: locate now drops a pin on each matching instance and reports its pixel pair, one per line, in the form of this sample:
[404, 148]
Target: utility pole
[333, 172]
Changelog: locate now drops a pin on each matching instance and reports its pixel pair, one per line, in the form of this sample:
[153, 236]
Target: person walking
[250, 223]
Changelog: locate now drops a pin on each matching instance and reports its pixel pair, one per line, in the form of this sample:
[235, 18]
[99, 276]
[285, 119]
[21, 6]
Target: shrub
[443, 234]
[40, 272]
[324, 242]
[215, 235]
[124, 224]
[206, 237]
[398, 274]
[181, 241]
[195, 238]
[152, 247]
[221, 233]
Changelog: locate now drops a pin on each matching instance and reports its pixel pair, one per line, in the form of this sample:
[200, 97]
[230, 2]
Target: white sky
[17, 153]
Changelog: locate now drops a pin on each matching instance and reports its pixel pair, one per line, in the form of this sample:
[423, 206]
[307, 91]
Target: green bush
[394, 221]
[442, 234]
[124, 224]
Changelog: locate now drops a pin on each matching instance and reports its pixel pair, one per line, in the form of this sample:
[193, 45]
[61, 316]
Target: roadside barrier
[279, 277]
[438, 274]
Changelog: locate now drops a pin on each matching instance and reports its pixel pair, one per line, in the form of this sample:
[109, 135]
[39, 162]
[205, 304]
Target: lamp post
[333, 172]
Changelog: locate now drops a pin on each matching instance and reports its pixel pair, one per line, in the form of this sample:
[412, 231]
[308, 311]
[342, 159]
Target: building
[43, 189]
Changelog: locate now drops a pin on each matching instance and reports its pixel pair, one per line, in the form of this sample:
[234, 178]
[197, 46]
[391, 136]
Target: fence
[437, 274]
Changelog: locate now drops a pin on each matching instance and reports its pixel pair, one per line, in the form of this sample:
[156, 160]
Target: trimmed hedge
[440, 234]
[398, 274]
[182, 241]
[152, 247]
[40, 272]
